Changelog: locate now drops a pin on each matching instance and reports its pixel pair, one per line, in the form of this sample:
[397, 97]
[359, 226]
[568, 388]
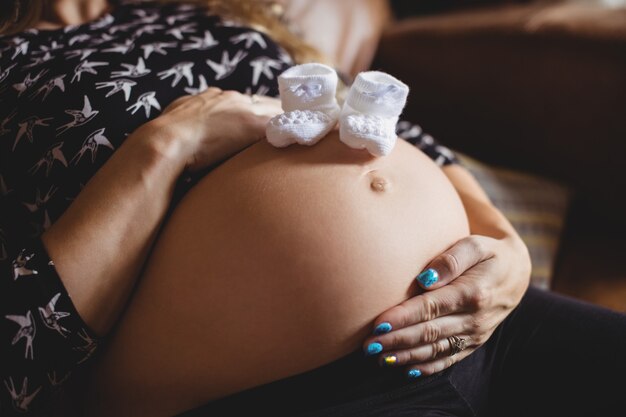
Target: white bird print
[52, 378]
[121, 84]
[78, 38]
[178, 17]
[5, 122]
[122, 48]
[39, 60]
[412, 132]
[5, 73]
[53, 154]
[158, 47]
[19, 265]
[124, 27]
[26, 331]
[250, 38]
[444, 153]
[264, 65]
[180, 70]
[53, 47]
[21, 48]
[21, 400]
[49, 86]
[86, 66]
[28, 82]
[149, 29]
[39, 201]
[82, 53]
[178, 31]
[91, 144]
[104, 38]
[203, 86]
[89, 348]
[132, 71]
[147, 101]
[80, 116]
[51, 318]
[144, 17]
[104, 22]
[26, 127]
[227, 66]
[207, 42]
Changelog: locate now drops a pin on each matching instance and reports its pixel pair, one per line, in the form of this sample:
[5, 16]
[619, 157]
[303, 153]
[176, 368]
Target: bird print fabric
[69, 97]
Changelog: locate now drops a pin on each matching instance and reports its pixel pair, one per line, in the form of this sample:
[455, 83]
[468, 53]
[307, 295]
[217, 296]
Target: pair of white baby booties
[367, 119]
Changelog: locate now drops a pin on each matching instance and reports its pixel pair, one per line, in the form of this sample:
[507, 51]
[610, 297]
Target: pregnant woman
[233, 277]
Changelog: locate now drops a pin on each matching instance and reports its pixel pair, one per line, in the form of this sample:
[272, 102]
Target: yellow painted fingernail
[390, 360]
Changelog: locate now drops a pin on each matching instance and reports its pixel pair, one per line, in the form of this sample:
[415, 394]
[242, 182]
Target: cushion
[534, 205]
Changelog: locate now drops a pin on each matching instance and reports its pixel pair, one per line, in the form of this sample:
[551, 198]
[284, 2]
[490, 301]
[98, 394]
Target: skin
[482, 277]
[194, 132]
[72, 12]
[315, 243]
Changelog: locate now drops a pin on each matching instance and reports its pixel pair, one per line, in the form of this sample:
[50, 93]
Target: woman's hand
[469, 290]
[480, 281]
[214, 125]
[194, 132]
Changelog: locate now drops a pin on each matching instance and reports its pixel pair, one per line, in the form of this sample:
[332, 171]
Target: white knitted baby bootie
[307, 94]
[370, 112]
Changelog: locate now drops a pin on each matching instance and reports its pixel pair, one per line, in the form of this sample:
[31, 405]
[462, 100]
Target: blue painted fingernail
[374, 348]
[382, 328]
[414, 373]
[428, 277]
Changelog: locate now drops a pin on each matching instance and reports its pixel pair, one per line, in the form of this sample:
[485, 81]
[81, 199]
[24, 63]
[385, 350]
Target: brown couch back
[536, 87]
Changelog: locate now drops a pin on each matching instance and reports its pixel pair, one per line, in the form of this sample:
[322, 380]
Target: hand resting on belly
[275, 263]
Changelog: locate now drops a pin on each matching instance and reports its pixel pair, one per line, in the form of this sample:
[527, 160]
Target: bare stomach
[275, 263]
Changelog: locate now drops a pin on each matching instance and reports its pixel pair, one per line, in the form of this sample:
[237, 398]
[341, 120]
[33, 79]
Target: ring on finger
[254, 99]
[457, 344]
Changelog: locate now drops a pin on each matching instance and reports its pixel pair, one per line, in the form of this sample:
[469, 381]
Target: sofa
[532, 95]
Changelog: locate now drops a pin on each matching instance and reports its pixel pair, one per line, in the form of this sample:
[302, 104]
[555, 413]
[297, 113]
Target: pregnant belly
[275, 263]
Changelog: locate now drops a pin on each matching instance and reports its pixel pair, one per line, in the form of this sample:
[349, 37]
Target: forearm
[484, 218]
[100, 243]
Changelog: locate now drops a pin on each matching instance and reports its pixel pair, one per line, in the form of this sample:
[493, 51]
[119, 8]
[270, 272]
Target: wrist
[163, 145]
[523, 259]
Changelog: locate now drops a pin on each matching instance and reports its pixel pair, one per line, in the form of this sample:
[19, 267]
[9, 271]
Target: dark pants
[553, 356]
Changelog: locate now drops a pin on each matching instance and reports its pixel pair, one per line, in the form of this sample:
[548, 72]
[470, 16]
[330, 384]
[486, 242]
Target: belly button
[380, 184]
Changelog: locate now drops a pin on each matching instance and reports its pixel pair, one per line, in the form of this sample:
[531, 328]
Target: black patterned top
[68, 99]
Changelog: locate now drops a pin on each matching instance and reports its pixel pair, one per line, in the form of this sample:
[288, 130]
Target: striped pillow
[535, 206]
